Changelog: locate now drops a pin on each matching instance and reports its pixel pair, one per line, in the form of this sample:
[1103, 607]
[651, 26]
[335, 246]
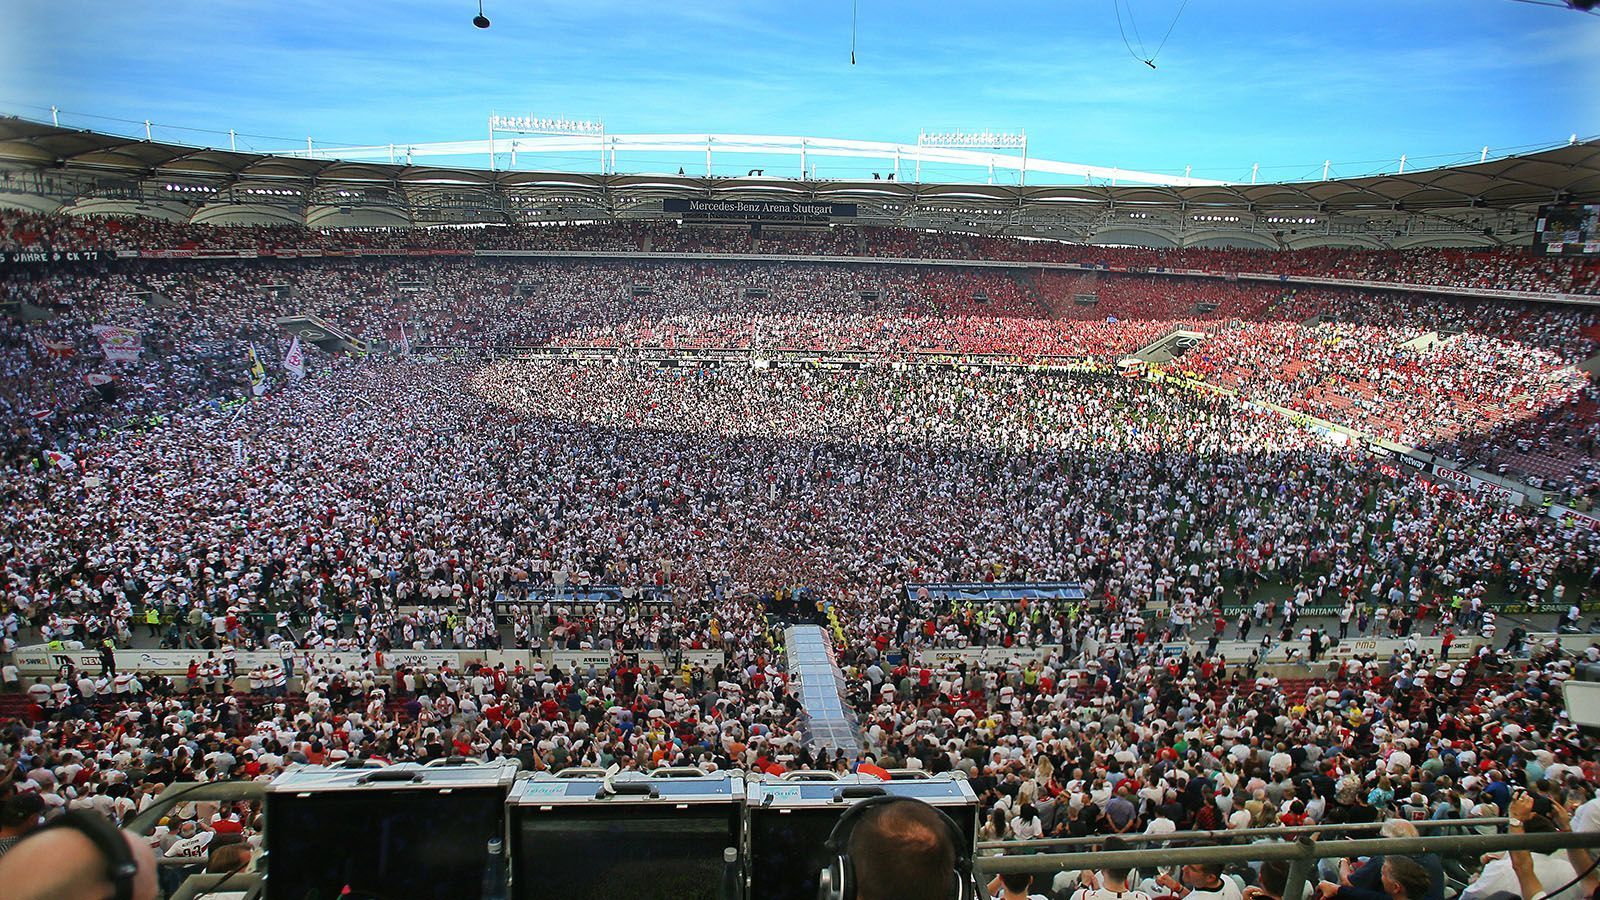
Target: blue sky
[1285, 84]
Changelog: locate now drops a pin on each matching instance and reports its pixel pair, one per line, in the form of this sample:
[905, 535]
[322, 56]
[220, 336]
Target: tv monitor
[381, 845]
[669, 852]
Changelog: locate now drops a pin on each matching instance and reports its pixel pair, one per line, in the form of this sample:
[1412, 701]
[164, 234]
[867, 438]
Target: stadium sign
[757, 210]
[40, 659]
[1321, 609]
[51, 257]
[1573, 518]
[1468, 482]
[996, 592]
[708, 659]
[986, 656]
[582, 660]
[1524, 608]
[1381, 647]
[1447, 478]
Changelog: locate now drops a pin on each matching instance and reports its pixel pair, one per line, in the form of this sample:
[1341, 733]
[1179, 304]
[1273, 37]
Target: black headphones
[121, 867]
[838, 879]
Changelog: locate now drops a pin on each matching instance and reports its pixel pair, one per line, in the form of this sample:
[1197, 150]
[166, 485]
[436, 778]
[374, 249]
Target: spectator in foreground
[902, 851]
[1366, 881]
[1109, 883]
[1201, 881]
[61, 863]
[1013, 886]
[1404, 878]
[1274, 878]
[1504, 876]
[20, 814]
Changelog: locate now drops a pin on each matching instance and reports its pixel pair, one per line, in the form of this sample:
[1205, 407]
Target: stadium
[600, 511]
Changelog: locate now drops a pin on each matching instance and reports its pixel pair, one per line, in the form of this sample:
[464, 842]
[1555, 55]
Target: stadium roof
[94, 172]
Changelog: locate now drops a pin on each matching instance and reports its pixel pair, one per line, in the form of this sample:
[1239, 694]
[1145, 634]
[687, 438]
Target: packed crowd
[385, 505]
[243, 526]
[860, 452]
[1483, 382]
[1115, 742]
[1470, 381]
[1504, 268]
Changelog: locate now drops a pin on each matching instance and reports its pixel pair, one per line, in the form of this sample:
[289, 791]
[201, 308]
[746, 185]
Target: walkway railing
[829, 722]
[1301, 854]
[192, 792]
[1235, 834]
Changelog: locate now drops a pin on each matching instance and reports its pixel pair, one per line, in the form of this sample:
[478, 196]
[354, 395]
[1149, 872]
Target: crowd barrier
[38, 659]
[1302, 855]
[1238, 652]
[42, 660]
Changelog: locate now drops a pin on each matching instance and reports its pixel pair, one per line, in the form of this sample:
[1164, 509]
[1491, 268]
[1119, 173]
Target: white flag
[405, 342]
[62, 461]
[119, 344]
[294, 362]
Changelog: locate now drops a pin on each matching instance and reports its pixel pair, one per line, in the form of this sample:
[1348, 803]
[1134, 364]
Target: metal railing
[1233, 834]
[1302, 854]
[190, 792]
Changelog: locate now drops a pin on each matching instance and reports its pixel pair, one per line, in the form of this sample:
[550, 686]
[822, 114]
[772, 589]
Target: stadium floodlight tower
[549, 126]
[975, 140]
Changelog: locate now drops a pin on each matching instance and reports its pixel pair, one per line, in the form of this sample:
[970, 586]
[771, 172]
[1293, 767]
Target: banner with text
[52, 257]
[758, 210]
[119, 344]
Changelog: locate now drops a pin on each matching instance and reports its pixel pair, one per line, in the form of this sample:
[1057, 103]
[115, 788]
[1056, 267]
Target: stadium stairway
[1058, 291]
[1294, 367]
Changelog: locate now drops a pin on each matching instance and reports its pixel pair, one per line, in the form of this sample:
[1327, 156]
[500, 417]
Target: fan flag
[294, 362]
[104, 384]
[867, 768]
[258, 373]
[119, 344]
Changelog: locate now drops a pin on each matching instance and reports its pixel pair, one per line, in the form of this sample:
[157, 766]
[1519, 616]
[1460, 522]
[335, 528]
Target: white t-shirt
[1587, 816]
[1228, 891]
[1103, 894]
[1499, 878]
[1161, 825]
[1027, 829]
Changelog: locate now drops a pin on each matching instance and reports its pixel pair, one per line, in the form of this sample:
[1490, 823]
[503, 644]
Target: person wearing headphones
[896, 848]
[79, 856]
